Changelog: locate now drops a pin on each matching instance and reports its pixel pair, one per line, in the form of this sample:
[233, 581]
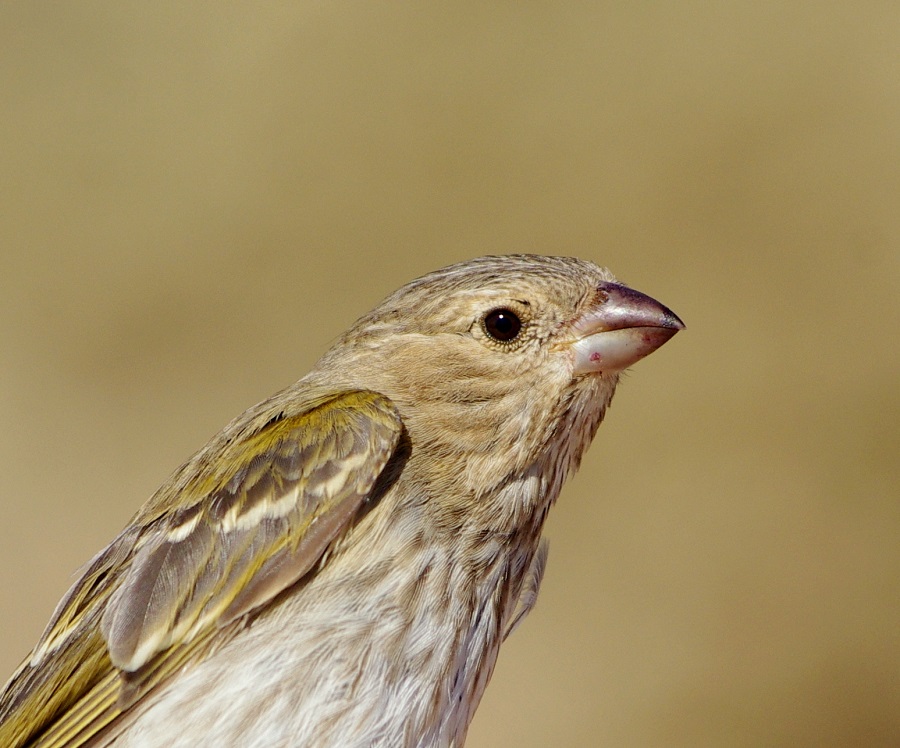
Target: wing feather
[267, 504]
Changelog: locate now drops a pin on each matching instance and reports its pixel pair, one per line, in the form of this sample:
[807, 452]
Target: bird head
[498, 362]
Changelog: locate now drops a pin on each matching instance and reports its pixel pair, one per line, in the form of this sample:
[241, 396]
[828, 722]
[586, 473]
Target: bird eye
[502, 325]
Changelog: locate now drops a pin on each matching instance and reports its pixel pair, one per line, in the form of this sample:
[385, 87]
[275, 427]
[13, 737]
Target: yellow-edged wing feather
[248, 517]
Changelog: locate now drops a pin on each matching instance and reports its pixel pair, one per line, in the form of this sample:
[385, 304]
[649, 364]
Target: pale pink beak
[620, 329]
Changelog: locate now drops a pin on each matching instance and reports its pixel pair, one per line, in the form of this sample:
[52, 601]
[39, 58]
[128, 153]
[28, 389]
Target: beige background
[194, 201]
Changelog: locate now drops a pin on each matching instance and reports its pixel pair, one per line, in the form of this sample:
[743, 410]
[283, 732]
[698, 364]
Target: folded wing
[155, 598]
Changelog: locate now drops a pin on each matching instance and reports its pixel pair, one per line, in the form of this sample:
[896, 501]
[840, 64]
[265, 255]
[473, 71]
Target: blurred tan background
[195, 200]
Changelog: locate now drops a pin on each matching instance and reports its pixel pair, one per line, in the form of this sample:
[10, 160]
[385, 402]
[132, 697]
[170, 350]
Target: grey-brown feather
[251, 539]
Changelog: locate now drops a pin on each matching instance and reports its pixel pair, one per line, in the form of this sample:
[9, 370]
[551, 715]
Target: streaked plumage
[339, 566]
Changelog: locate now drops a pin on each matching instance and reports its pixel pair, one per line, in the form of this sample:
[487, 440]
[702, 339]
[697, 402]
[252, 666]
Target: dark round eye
[502, 325]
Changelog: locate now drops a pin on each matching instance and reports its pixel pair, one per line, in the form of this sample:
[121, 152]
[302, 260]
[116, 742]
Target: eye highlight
[503, 325]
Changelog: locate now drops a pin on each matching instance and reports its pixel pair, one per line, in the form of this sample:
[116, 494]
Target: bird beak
[619, 329]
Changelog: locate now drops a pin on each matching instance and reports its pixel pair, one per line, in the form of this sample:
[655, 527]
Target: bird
[340, 565]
